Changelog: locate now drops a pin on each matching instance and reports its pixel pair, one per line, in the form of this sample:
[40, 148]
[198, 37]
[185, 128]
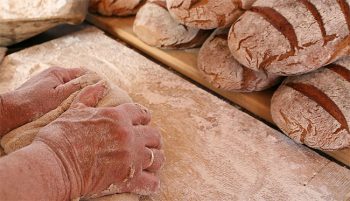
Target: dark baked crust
[204, 14]
[219, 68]
[291, 37]
[116, 7]
[314, 108]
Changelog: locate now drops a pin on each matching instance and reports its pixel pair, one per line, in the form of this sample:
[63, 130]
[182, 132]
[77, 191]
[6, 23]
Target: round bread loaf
[204, 14]
[314, 109]
[219, 68]
[289, 37]
[155, 26]
[115, 7]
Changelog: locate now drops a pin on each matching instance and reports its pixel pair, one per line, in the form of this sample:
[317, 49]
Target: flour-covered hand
[105, 150]
[37, 96]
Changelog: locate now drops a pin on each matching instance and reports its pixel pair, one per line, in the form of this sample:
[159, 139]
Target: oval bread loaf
[115, 7]
[204, 14]
[219, 68]
[154, 26]
[290, 37]
[314, 109]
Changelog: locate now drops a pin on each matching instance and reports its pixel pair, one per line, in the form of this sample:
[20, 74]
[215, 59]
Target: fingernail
[143, 108]
[105, 85]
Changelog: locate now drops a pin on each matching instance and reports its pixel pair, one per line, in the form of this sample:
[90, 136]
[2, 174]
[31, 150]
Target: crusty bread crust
[219, 67]
[155, 26]
[314, 108]
[204, 14]
[291, 37]
[115, 7]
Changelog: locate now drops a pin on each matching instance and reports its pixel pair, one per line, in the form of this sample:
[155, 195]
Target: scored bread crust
[219, 68]
[204, 14]
[115, 7]
[291, 37]
[314, 109]
[155, 26]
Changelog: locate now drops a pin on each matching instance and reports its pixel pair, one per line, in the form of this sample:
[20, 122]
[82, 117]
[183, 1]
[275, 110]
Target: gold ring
[152, 159]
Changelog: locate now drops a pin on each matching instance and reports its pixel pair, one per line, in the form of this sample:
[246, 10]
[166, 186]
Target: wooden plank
[185, 62]
[214, 151]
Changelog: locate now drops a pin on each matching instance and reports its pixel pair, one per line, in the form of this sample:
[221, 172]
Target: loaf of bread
[314, 109]
[115, 7]
[290, 37]
[155, 26]
[219, 68]
[204, 14]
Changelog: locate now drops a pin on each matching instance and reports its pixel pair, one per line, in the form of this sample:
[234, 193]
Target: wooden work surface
[214, 151]
[185, 62]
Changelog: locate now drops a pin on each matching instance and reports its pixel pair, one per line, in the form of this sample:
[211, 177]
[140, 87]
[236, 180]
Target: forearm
[33, 173]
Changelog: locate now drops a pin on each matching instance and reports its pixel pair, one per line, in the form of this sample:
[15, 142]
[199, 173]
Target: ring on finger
[152, 159]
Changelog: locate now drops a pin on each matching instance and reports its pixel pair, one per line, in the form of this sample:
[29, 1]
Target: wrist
[68, 164]
[62, 190]
[33, 173]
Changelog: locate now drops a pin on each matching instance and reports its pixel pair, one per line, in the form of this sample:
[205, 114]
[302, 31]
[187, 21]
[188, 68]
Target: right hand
[105, 147]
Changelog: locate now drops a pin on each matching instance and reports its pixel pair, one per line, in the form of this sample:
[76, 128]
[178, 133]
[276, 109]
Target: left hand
[39, 95]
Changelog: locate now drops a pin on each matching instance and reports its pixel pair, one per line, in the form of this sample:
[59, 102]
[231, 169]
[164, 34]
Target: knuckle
[55, 69]
[155, 185]
[124, 133]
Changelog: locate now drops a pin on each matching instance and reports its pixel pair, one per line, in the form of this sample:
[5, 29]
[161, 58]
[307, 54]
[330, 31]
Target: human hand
[105, 148]
[37, 96]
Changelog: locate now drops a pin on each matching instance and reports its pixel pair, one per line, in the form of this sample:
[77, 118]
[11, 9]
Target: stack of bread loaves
[253, 43]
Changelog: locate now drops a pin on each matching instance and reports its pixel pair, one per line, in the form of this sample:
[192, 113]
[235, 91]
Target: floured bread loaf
[314, 109]
[115, 7]
[25, 134]
[289, 37]
[220, 68]
[155, 26]
[204, 14]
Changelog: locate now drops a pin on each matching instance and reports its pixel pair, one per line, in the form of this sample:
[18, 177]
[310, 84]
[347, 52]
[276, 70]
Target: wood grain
[185, 62]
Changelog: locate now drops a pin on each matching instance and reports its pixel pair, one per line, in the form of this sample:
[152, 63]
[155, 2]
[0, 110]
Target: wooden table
[214, 151]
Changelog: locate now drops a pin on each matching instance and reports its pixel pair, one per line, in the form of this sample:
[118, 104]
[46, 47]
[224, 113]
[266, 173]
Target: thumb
[90, 95]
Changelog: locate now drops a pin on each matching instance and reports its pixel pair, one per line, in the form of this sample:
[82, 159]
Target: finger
[153, 163]
[150, 136]
[67, 74]
[73, 73]
[137, 114]
[145, 184]
[90, 95]
[65, 90]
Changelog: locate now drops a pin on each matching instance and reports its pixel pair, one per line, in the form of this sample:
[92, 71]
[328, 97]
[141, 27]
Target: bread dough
[2, 53]
[25, 134]
[2, 152]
